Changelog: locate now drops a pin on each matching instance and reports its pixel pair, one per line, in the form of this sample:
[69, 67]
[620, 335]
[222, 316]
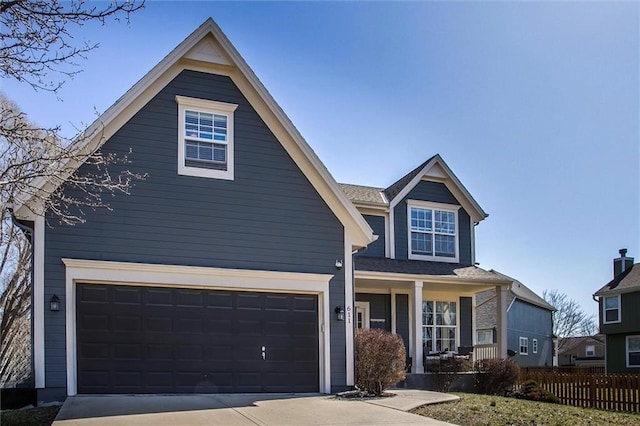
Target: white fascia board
[108, 123]
[452, 183]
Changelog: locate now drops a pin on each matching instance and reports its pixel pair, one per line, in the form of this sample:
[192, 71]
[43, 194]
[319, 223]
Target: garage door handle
[264, 353]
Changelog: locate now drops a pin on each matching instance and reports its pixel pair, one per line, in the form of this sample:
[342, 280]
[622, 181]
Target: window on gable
[205, 138]
[633, 351]
[433, 233]
[590, 350]
[524, 346]
[611, 309]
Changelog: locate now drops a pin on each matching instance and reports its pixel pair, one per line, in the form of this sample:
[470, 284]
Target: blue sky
[535, 107]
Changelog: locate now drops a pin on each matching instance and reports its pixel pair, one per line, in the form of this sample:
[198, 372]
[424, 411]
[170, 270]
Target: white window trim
[210, 107]
[174, 276]
[593, 350]
[433, 206]
[434, 326]
[604, 310]
[534, 345]
[627, 352]
[526, 345]
[483, 330]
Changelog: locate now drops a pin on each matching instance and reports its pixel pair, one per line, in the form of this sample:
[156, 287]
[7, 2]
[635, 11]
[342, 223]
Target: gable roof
[207, 49]
[522, 292]
[567, 344]
[434, 169]
[626, 282]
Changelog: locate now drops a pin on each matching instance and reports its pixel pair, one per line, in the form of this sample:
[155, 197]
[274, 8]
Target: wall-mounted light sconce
[54, 304]
[339, 313]
[338, 264]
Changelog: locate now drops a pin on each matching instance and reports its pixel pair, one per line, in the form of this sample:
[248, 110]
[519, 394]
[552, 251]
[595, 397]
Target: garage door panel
[163, 340]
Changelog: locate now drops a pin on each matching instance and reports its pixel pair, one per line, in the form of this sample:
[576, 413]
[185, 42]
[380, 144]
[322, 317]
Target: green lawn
[30, 417]
[477, 410]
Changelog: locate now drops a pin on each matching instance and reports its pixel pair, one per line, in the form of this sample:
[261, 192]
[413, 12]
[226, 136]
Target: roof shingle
[626, 282]
[419, 267]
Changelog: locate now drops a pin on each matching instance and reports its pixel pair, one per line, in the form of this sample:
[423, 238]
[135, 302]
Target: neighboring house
[529, 323]
[222, 271]
[583, 351]
[418, 279]
[619, 309]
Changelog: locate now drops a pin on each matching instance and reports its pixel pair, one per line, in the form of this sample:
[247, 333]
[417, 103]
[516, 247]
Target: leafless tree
[37, 47]
[36, 42]
[569, 320]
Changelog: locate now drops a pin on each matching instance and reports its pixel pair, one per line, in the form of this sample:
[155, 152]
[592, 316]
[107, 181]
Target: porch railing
[481, 352]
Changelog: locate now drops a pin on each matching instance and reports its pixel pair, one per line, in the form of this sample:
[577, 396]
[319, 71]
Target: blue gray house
[222, 270]
[529, 324]
[419, 278]
[231, 267]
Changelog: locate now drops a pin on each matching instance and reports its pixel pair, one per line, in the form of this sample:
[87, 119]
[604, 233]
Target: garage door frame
[177, 276]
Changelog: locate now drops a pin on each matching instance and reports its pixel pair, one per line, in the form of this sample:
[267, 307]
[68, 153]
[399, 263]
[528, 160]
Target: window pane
[192, 150]
[420, 219]
[421, 243]
[634, 343]
[611, 302]
[427, 313]
[219, 153]
[206, 152]
[634, 358]
[445, 245]
[611, 315]
[445, 222]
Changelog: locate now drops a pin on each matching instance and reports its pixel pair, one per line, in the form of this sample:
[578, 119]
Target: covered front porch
[434, 314]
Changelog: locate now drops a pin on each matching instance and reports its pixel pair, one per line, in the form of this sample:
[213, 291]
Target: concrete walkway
[247, 409]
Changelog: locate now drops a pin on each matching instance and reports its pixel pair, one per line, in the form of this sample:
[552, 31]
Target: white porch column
[418, 366]
[501, 321]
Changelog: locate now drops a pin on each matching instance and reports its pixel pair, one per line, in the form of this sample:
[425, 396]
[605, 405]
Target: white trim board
[125, 273]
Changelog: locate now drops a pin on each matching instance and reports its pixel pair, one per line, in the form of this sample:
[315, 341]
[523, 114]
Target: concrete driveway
[246, 409]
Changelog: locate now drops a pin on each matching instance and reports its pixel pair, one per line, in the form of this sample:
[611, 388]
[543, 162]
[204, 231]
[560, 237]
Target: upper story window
[611, 309]
[590, 350]
[535, 346]
[205, 138]
[433, 230]
[524, 346]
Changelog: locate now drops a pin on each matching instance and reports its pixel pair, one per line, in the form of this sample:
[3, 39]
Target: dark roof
[523, 292]
[399, 185]
[567, 344]
[419, 267]
[366, 194]
[626, 282]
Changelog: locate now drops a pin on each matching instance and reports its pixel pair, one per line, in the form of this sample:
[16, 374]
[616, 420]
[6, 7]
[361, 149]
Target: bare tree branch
[36, 39]
[569, 320]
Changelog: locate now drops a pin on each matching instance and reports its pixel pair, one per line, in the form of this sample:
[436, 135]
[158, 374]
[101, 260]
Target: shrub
[496, 376]
[447, 371]
[380, 360]
[533, 392]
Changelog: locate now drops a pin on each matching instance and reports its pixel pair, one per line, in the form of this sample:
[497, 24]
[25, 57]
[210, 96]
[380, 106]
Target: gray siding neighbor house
[222, 270]
[582, 351]
[419, 278]
[529, 323]
[618, 303]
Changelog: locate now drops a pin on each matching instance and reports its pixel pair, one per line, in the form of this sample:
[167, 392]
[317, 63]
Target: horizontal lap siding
[376, 248]
[269, 217]
[436, 193]
[533, 322]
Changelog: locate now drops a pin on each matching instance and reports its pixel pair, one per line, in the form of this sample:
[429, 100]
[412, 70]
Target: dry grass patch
[40, 416]
[478, 410]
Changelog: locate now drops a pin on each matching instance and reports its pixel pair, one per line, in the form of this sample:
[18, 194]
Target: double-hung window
[205, 138]
[433, 231]
[524, 346]
[611, 309]
[633, 351]
[439, 324]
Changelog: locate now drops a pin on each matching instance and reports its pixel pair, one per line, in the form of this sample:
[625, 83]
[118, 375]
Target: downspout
[28, 231]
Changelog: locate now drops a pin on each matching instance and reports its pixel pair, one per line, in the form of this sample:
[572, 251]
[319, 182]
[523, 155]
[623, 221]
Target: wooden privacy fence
[615, 392]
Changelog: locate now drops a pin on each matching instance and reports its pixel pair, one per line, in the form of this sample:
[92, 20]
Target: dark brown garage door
[167, 340]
